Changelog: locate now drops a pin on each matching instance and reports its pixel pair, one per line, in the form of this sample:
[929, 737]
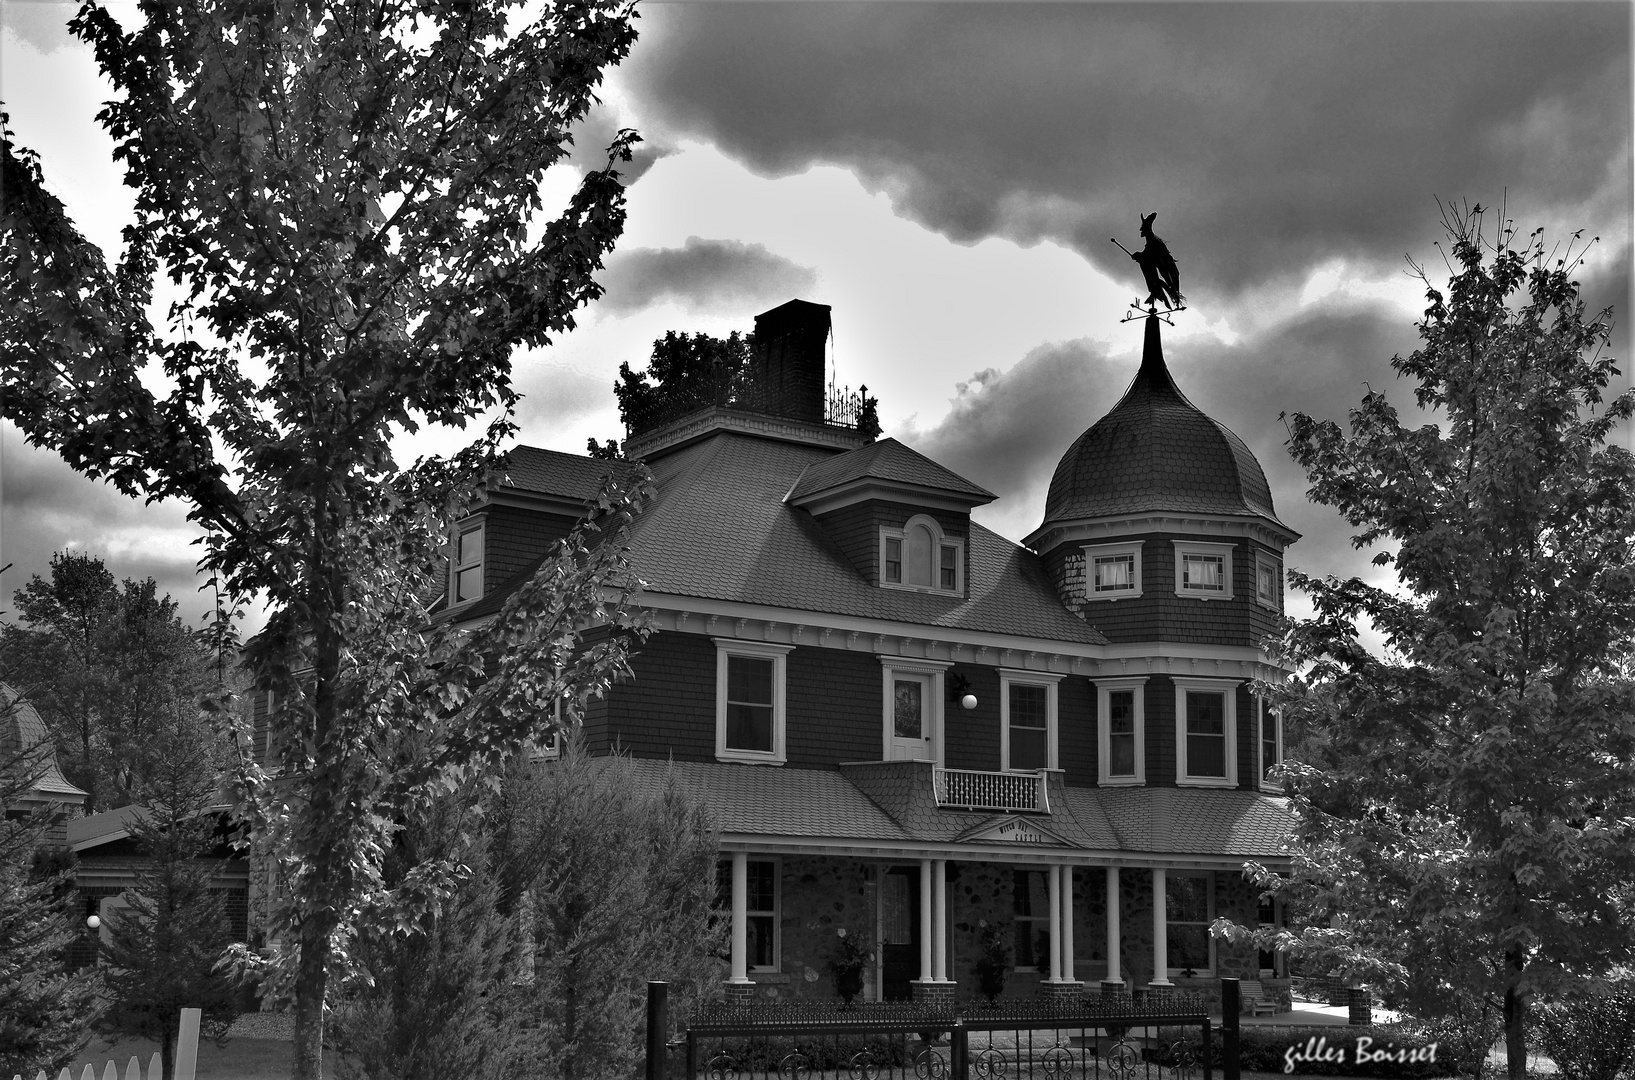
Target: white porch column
[925, 921]
[1067, 924]
[1055, 923]
[1112, 926]
[740, 918]
[939, 919]
[1160, 928]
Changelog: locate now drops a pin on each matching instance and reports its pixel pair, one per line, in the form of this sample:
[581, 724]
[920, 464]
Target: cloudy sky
[947, 176]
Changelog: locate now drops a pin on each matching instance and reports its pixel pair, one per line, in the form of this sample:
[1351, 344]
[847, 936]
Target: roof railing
[971, 789]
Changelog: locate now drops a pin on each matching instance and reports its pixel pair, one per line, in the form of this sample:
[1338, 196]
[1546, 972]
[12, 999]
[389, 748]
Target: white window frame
[937, 669]
[1262, 715]
[1009, 677]
[1228, 689]
[456, 567]
[1092, 552]
[1214, 959]
[1033, 921]
[1183, 548]
[778, 654]
[1105, 688]
[543, 750]
[724, 870]
[1267, 561]
[939, 540]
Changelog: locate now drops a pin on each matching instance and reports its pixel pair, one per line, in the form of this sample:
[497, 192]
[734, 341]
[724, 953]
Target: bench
[1254, 997]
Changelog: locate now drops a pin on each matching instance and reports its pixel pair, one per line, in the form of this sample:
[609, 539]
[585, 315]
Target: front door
[899, 932]
[910, 716]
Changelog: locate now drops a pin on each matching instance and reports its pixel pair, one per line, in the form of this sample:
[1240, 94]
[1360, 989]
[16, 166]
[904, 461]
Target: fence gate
[1161, 1038]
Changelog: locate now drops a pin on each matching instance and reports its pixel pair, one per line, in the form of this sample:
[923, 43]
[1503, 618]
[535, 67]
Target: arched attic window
[918, 556]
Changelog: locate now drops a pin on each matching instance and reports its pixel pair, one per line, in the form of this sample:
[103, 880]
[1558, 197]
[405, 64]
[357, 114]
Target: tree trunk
[1515, 1035]
[311, 981]
[167, 1046]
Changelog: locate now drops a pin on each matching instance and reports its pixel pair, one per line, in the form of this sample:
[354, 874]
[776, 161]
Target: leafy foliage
[1467, 831]
[996, 955]
[433, 1000]
[850, 959]
[614, 873]
[1592, 1036]
[107, 666]
[686, 373]
[348, 201]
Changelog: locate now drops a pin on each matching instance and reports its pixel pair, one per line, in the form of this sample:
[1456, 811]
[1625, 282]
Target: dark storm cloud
[1267, 136]
[45, 506]
[701, 274]
[1008, 430]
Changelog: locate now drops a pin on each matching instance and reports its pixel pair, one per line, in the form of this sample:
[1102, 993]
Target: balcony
[968, 789]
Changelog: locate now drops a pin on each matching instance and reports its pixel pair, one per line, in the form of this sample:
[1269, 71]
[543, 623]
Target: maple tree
[346, 201]
[1466, 826]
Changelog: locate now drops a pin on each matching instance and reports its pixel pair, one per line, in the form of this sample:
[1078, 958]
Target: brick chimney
[789, 359]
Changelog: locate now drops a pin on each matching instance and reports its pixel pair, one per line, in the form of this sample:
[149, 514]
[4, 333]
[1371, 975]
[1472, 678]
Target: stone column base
[1360, 1006]
[1061, 993]
[932, 993]
[739, 993]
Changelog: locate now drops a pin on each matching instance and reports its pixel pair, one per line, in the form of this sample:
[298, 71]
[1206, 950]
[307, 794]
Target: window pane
[1206, 714]
[749, 680]
[918, 569]
[1033, 944]
[1268, 583]
[1031, 895]
[1206, 755]
[1268, 738]
[471, 546]
[1186, 898]
[468, 583]
[1188, 946]
[950, 564]
[1204, 572]
[1121, 712]
[758, 939]
[749, 727]
[894, 560]
[762, 886]
[1121, 751]
[908, 708]
[1030, 749]
[896, 914]
[1115, 572]
[1029, 706]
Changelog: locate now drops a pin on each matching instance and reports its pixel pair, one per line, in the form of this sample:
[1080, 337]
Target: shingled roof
[893, 463]
[25, 743]
[720, 529]
[570, 476]
[1156, 451]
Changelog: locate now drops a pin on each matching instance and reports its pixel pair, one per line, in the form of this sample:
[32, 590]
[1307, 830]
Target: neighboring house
[913, 729]
[108, 860]
[28, 753]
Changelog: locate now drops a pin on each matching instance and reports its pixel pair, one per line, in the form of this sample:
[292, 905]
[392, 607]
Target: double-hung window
[749, 701]
[918, 556]
[1206, 732]
[1268, 581]
[1030, 919]
[1027, 718]
[1271, 739]
[1121, 733]
[1202, 570]
[467, 565]
[1112, 571]
[1189, 908]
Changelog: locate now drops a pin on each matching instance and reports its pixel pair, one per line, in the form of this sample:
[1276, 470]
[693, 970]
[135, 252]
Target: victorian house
[913, 729]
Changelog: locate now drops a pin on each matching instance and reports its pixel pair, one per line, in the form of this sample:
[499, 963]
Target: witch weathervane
[1158, 267]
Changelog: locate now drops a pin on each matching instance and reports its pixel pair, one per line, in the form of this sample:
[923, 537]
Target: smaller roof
[22, 732]
[1168, 820]
[777, 802]
[891, 463]
[569, 476]
[94, 830]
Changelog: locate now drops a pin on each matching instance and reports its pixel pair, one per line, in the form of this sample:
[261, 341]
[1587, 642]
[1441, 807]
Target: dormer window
[467, 570]
[1203, 571]
[918, 556]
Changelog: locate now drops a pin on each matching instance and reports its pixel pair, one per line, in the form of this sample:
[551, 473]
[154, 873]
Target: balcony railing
[968, 789]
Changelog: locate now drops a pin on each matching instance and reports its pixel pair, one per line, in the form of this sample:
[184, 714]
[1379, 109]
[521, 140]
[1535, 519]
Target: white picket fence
[187, 1058]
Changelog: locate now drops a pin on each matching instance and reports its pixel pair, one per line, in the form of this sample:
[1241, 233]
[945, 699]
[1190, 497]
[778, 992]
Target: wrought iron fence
[1087, 1039]
[729, 388]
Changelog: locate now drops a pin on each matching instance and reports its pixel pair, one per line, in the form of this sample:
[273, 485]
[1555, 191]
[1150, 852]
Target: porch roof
[894, 807]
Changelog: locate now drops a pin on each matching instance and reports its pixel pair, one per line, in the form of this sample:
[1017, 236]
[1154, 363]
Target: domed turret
[1156, 508]
[1156, 451]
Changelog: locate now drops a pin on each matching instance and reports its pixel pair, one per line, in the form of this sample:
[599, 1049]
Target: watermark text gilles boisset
[1317, 1049]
